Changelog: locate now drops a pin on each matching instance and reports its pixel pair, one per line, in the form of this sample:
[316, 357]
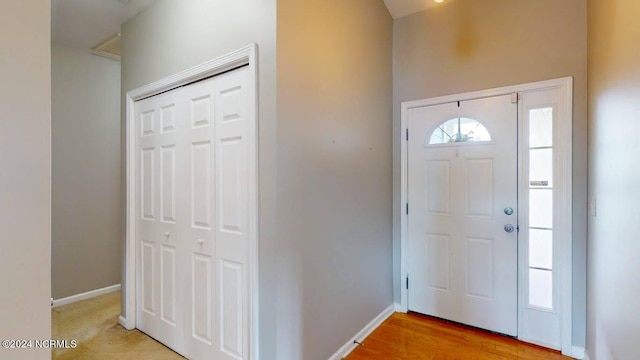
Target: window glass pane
[540, 208]
[459, 130]
[541, 288]
[541, 248]
[541, 127]
[541, 168]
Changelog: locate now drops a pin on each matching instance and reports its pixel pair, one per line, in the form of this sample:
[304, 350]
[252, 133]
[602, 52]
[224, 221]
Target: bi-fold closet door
[192, 217]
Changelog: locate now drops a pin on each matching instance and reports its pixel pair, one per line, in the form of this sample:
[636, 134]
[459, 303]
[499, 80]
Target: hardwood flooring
[94, 325]
[418, 337]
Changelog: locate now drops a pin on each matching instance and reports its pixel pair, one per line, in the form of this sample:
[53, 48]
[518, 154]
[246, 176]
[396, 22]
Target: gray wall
[25, 140]
[86, 192]
[614, 179]
[334, 172]
[469, 45]
[332, 251]
[172, 36]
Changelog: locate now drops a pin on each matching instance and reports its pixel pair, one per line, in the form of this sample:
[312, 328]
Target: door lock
[509, 228]
[508, 211]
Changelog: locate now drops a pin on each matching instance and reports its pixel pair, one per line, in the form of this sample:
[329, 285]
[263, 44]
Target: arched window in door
[459, 130]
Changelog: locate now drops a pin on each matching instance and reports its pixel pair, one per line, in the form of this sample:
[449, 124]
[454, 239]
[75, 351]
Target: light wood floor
[94, 325]
[418, 337]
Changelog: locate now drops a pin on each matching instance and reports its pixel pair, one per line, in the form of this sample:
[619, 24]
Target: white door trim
[564, 195]
[248, 56]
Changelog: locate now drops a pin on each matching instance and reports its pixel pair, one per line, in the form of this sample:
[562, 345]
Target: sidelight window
[540, 155]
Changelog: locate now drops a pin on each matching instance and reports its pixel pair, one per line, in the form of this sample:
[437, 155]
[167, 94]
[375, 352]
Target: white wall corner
[350, 345]
[399, 308]
[125, 323]
[578, 352]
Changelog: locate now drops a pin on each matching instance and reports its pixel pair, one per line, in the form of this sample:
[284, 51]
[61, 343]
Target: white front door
[462, 212]
[193, 217]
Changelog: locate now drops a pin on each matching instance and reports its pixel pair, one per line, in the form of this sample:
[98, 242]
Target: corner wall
[171, 36]
[25, 175]
[86, 192]
[334, 172]
[467, 45]
[614, 179]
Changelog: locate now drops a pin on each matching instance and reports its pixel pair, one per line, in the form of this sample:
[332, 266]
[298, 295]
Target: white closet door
[217, 246]
[193, 217]
[232, 209]
[199, 198]
[159, 228]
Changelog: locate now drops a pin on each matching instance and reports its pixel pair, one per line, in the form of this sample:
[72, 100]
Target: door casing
[246, 56]
[563, 194]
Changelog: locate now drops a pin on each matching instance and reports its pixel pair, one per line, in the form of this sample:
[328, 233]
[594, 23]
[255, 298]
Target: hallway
[94, 325]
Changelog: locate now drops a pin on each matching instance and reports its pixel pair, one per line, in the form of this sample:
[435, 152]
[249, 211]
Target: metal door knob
[508, 211]
[509, 228]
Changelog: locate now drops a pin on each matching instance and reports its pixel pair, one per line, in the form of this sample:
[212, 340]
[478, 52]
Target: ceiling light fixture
[438, 1]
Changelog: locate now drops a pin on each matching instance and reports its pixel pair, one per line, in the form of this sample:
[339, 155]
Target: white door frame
[563, 132]
[248, 56]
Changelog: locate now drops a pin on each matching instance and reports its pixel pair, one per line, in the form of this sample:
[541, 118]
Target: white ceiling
[85, 23]
[400, 8]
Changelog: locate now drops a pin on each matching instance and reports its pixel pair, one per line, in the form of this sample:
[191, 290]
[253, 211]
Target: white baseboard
[347, 348]
[586, 355]
[578, 353]
[125, 323]
[84, 296]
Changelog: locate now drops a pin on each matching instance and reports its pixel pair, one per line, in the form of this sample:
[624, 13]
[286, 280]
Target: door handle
[509, 228]
[508, 210]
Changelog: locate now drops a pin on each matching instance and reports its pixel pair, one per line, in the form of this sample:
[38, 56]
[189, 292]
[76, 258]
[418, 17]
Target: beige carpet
[94, 325]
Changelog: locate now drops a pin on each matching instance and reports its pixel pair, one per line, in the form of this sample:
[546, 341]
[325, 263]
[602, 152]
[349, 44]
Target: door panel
[231, 294]
[168, 285]
[437, 183]
[462, 263]
[148, 270]
[199, 234]
[438, 267]
[158, 228]
[168, 183]
[201, 301]
[147, 164]
[231, 189]
[478, 180]
[479, 267]
[201, 184]
[232, 208]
